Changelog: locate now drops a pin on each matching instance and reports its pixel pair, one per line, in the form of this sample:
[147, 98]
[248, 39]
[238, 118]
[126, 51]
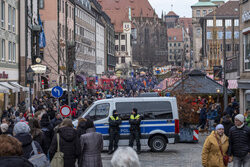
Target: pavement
[175, 155]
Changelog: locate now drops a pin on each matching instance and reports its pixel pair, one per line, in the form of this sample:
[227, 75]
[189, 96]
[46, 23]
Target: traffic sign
[57, 91]
[65, 111]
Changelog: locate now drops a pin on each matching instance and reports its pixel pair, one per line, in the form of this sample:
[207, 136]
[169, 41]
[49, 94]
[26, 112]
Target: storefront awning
[7, 85]
[4, 89]
[15, 84]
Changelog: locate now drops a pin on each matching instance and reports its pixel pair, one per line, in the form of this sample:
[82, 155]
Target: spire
[162, 15]
[172, 7]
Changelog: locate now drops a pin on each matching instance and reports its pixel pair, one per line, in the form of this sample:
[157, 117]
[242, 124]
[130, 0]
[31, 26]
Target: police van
[159, 125]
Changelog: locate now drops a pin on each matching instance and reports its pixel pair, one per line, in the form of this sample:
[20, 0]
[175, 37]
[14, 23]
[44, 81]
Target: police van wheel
[158, 144]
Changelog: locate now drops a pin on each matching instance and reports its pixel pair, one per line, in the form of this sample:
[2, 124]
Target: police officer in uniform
[135, 132]
[114, 131]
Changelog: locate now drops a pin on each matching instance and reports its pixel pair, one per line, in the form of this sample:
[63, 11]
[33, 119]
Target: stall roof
[198, 83]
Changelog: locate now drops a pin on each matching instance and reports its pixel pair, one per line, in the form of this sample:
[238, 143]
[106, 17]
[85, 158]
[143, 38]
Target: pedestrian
[10, 124]
[227, 123]
[114, 131]
[81, 127]
[135, 130]
[248, 118]
[239, 142]
[4, 129]
[48, 132]
[203, 117]
[22, 133]
[214, 148]
[20, 118]
[91, 146]
[57, 120]
[36, 132]
[11, 153]
[125, 157]
[69, 143]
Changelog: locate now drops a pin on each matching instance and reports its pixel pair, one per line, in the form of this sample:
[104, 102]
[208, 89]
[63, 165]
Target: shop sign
[39, 69]
[3, 75]
[246, 16]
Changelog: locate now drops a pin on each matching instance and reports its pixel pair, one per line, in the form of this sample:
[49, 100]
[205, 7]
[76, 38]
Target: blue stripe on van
[142, 122]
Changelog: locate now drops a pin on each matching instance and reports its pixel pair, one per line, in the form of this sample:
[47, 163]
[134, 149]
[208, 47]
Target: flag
[42, 39]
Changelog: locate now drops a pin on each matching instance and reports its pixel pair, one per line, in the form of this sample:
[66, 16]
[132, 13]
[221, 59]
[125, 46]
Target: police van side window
[100, 111]
[124, 109]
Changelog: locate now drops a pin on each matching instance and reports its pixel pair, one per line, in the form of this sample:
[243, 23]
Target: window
[179, 44]
[10, 55]
[116, 37]
[174, 44]
[219, 35]
[14, 53]
[210, 10]
[9, 17]
[3, 14]
[41, 4]
[123, 60]
[169, 38]
[175, 38]
[59, 4]
[123, 48]
[228, 23]
[198, 13]
[117, 60]
[218, 23]
[170, 50]
[237, 47]
[228, 35]
[204, 12]
[3, 50]
[228, 47]
[123, 37]
[170, 57]
[210, 23]
[170, 44]
[100, 111]
[236, 35]
[14, 19]
[69, 11]
[116, 48]
[198, 31]
[63, 6]
[236, 22]
[209, 35]
[247, 51]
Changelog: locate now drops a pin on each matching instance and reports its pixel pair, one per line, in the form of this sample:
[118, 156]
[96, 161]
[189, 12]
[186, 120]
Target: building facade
[244, 63]
[9, 52]
[199, 10]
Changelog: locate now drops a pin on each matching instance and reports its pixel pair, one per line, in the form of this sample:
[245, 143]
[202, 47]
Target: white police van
[159, 125]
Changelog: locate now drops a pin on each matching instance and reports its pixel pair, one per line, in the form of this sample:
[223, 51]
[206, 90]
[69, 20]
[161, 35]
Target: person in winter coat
[69, 143]
[11, 153]
[135, 130]
[114, 131]
[239, 142]
[57, 120]
[227, 123]
[91, 146]
[211, 154]
[36, 132]
[248, 118]
[22, 133]
[48, 132]
[203, 117]
[81, 127]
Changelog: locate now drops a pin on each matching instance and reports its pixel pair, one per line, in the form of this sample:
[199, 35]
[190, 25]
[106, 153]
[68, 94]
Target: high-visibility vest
[113, 118]
[136, 117]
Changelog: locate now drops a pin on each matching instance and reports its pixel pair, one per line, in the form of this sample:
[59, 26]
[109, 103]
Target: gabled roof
[171, 13]
[229, 9]
[175, 32]
[202, 4]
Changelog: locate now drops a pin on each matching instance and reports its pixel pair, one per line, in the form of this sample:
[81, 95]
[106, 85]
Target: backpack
[58, 160]
[38, 160]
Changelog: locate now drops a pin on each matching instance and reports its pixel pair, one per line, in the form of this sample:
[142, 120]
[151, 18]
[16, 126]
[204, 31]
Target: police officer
[114, 131]
[135, 132]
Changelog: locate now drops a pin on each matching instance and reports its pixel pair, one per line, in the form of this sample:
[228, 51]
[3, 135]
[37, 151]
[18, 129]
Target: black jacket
[114, 125]
[81, 129]
[135, 124]
[37, 135]
[227, 126]
[55, 122]
[48, 133]
[26, 140]
[14, 161]
[69, 145]
[239, 141]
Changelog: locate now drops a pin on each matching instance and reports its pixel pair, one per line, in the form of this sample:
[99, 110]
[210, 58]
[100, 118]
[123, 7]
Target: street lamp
[218, 94]
[30, 73]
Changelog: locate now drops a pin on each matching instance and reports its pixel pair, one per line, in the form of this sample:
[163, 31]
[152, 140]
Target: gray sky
[180, 7]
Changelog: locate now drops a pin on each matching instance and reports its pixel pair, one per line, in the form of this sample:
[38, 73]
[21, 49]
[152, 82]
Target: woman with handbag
[215, 148]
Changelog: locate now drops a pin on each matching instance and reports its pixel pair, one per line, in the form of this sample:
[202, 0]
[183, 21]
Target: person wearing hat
[114, 131]
[239, 142]
[135, 130]
[214, 148]
[21, 132]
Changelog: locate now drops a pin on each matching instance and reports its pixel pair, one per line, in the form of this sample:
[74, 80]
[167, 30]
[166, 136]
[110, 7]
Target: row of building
[221, 32]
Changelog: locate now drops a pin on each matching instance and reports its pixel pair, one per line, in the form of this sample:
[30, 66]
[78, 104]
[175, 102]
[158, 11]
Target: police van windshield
[86, 110]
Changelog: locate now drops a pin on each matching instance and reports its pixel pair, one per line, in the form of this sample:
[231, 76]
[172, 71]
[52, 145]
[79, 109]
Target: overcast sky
[180, 7]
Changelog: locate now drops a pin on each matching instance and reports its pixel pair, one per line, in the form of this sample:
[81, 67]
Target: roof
[138, 7]
[198, 83]
[200, 4]
[229, 9]
[171, 13]
[117, 18]
[175, 32]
